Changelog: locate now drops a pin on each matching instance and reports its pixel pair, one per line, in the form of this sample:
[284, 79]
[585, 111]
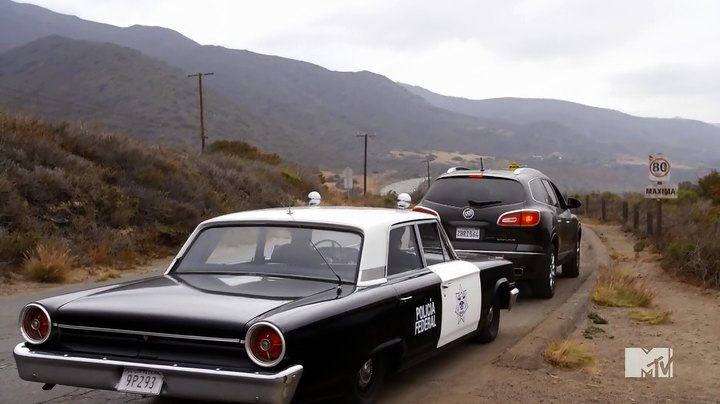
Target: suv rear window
[464, 191]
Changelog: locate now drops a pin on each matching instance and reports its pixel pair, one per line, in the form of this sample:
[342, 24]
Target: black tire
[367, 381]
[571, 269]
[489, 331]
[544, 286]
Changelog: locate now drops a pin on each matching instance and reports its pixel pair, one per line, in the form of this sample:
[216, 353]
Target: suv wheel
[571, 269]
[544, 285]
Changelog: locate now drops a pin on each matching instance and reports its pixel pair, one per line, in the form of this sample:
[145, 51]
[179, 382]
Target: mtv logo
[655, 362]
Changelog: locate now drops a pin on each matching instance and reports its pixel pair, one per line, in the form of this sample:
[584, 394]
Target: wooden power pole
[365, 135]
[202, 119]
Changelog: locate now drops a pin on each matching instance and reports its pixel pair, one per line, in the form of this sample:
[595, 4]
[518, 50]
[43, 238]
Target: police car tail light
[265, 344]
[519, 218]
[423, 209]
[35, 324]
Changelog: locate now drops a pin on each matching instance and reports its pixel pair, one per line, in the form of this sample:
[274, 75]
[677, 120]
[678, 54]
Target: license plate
[467, 233]
[141, 381]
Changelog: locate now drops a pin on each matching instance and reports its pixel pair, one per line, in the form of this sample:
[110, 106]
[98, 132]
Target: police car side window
[403, 253]
[432, 244]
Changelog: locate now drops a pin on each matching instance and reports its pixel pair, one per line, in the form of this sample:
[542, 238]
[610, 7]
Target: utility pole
[427, 160]
[365, 135]
[202, 119]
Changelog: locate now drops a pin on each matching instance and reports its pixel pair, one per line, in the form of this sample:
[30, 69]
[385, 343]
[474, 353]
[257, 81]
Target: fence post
[587, 205]
[602, 209]
[649, 223]
[636, 217]
[625, 211]
[659, 217]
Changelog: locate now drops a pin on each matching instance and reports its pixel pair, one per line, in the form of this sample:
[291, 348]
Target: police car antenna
[482, 167]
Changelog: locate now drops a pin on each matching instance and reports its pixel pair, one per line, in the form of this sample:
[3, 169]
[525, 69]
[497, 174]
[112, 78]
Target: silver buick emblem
[468, 213]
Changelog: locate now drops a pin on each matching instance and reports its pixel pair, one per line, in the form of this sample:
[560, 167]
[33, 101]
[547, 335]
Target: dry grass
[48, 263]
[570, 354]
[616, 287]
[652, 317]
[107, 275]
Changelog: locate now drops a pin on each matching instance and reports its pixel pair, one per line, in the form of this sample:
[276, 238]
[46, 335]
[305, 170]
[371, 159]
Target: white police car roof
[362, 218]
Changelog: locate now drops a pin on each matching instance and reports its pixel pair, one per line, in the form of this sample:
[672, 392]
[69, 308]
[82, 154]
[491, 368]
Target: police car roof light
[314, 198]
[403, 201]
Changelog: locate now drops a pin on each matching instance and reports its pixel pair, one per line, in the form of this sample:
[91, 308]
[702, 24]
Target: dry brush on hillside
[109, 198]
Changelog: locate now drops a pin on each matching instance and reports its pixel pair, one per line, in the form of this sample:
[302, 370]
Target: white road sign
[348, 177]
[664, 191]
[659, 168]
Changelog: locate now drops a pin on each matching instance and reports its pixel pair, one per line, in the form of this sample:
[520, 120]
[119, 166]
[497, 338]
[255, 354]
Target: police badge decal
[462, 304]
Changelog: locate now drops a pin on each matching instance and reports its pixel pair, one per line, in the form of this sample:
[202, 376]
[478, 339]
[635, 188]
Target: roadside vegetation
[74, 196]
[617, 287]
[689, 240]
[571, 354]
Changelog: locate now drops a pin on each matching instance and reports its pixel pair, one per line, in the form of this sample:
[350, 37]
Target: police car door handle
[446, 285]
[405, 299]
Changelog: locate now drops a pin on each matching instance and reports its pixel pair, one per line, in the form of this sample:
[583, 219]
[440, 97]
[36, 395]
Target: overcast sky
[657, 58]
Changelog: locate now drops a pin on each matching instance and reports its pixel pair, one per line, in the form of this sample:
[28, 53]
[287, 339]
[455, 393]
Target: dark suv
[519, 215]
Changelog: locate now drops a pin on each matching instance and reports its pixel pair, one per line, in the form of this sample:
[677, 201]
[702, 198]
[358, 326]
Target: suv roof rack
[457, 168]
[523, 170]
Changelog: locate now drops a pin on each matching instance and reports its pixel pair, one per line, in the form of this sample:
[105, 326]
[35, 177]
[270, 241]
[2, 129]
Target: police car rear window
[481, 192]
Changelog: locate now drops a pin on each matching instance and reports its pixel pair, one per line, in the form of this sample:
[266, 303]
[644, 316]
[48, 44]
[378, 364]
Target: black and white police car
[271, 306]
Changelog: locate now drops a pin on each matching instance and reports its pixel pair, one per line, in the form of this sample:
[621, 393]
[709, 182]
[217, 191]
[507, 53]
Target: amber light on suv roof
[520, 218]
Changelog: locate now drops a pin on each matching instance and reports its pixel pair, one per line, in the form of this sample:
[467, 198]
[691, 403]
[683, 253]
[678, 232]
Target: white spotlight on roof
[314, 198]
[403, 201]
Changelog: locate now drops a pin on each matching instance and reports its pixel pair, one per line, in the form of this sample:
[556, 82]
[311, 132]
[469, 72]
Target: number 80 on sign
[659, 168]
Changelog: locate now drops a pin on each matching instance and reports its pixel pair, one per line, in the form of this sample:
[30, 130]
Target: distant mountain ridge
[681, 136]
[306, 112]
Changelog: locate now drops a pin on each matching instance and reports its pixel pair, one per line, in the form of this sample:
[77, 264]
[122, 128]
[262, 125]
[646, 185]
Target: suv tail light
[423, 209]
[35, 324]
[265, 344]
[519, 218]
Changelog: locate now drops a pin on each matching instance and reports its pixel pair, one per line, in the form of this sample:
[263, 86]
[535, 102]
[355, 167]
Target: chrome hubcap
[552, 271]
[491, 315]
[365, 374]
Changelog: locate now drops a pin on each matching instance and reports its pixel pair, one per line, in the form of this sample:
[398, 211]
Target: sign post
[348, 180]
[659, 173]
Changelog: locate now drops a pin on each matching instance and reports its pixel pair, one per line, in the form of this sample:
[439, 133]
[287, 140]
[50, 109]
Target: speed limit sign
[659, 168]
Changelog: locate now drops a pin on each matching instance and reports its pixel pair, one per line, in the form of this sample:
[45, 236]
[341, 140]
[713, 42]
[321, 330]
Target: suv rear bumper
[526, 265]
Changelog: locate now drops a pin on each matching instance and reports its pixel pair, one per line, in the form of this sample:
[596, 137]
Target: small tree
[710, 186]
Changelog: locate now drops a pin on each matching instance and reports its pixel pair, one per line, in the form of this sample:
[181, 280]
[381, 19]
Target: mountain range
[135, 79]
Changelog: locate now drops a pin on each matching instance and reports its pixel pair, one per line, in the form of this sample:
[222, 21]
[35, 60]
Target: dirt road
[454, 370]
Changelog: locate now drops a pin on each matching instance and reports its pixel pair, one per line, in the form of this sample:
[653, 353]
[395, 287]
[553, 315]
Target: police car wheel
[367, 381]
[489, 331]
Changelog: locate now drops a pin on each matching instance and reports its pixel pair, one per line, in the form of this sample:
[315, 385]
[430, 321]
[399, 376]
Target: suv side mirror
[573, 203]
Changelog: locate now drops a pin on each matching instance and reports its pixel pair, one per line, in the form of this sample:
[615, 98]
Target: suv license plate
[141, 381]
[466, 233]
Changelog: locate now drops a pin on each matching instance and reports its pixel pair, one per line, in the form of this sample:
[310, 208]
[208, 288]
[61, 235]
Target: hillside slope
[118, 87]
[111, 198]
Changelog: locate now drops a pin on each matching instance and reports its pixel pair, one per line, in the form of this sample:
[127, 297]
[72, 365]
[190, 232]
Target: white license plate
[141, 381]
[467, 233]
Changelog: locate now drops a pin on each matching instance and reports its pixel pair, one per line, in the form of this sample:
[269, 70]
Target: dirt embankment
[693, 333]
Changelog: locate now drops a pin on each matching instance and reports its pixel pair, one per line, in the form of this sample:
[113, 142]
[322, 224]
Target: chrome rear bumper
[182, 382]
[514, 292]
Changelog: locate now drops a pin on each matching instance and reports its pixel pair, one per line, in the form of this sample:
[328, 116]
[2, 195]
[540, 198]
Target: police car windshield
[283, 251]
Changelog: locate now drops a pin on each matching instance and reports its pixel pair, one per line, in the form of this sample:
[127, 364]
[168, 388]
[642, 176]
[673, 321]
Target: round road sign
[659, 168]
